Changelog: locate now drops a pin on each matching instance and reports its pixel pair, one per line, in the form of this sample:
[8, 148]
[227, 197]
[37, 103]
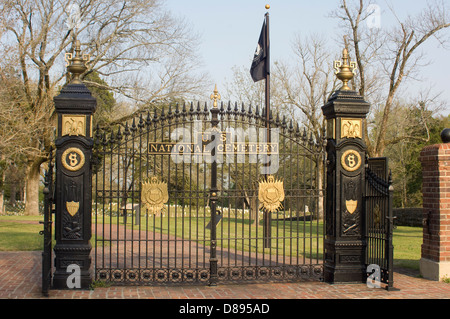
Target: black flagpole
[267, 50]
[267, 215]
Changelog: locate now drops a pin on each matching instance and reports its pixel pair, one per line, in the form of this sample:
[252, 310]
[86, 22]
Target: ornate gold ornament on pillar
[76, 64]
[345, 70]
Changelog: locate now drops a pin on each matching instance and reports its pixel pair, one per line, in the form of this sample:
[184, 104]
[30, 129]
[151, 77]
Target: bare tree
[298, 89]
[140, 50]
[388, 58]
[308, 84]
[241, 87]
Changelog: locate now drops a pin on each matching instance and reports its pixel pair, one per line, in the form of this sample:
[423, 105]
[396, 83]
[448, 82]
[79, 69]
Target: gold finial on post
[345, 70]
[215, 96]
[267, 6]
[76, 64]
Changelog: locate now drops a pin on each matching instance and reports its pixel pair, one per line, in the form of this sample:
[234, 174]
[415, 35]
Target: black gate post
[344, 244]
[73, 198]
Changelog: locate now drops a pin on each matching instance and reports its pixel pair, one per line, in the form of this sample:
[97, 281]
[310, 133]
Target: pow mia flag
[260, 64]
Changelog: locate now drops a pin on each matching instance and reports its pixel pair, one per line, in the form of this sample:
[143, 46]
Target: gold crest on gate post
[72, 207]
[154, 194]
[271, 194]
[351, 206]
[351, 128]
[73, 125]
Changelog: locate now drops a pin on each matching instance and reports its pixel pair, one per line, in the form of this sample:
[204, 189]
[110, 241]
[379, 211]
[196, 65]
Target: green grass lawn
[21, 233]
[407, 246]
[239, 234]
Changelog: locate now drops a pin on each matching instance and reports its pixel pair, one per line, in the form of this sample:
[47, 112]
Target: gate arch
[177, 197]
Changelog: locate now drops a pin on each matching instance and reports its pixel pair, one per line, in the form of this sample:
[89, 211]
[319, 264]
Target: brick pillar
[435, 261]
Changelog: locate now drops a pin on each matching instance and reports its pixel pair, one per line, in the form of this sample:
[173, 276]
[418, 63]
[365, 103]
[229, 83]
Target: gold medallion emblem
[351, 206]
[154, 195]
[351, 160]
[271, 194]
[73, 159]
[72, 207]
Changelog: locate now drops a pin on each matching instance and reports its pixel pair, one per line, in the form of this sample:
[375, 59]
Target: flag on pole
[260, 64]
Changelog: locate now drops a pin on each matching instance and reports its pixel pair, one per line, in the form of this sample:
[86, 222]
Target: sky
[229, 32]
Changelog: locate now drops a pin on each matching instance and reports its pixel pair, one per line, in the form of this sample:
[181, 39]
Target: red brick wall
[436, 202]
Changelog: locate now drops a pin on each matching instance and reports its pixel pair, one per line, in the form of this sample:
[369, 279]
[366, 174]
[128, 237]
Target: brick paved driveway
[20, 278]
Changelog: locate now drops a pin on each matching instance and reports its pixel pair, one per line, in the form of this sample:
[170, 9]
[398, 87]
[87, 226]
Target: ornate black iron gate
[190, 194]
[379, 222]
[209, 195]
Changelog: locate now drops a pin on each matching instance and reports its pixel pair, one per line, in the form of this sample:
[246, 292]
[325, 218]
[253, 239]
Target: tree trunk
[252, 203]
[2, 191]
[12, 194]
[1, 202]
[32, 188]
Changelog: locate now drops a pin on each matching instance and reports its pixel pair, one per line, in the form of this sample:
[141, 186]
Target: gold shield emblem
[271, 194]
[72, 207]
[351, 206]
[154, 195]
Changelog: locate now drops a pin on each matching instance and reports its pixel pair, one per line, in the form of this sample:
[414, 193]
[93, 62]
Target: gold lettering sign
[203, 148]
[73, 125]
[271, 194]
[207, 136]
[154, 194]
[351, 128]
[351, 160]
[73, 159]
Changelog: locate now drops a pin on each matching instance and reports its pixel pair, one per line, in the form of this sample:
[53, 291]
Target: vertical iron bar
[190, 204]
[110, 197]
[176, 194]
[169, 202]
[205, 194]
[316, 204]
[297, 208]
[303, 207]
[154, 215]
[104, 205]
[291, 219]
[47, 232]
[161, 179]
[137, 212]
[147, 137]
[310, 191]
[389, 233]
[213, 256]
[96, 214]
